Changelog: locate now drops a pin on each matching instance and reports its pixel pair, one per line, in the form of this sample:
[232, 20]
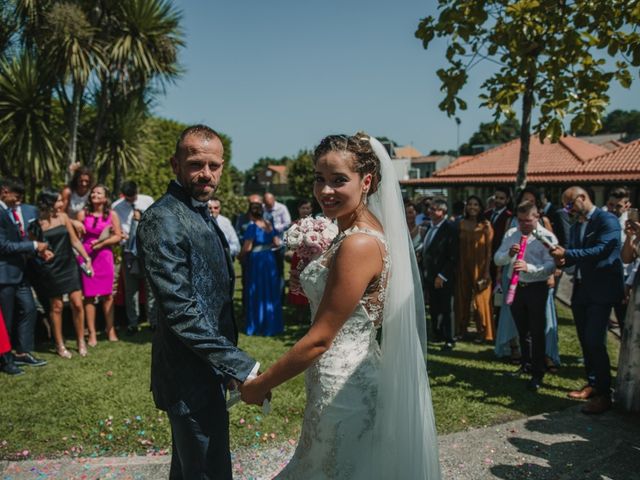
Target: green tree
[28, 141]
[301, 174]
[490, 134]
[74, 53]
[141, 39]
[622, 121]
[550, 55]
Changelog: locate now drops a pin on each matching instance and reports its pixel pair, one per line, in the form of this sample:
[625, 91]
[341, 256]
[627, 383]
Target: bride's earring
[365, 197]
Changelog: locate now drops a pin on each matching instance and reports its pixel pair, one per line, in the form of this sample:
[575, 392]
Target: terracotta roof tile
[407, 152]
[564, 156]
[426, 159]
[569, 160]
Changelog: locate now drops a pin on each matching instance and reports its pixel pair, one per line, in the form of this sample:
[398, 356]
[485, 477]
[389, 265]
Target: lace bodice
[342, 384]
[374, 296]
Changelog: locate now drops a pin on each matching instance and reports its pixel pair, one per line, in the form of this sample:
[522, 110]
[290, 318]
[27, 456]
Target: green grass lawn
[101, 405]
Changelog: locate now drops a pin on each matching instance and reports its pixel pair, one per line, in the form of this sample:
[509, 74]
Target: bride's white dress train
[342, 384]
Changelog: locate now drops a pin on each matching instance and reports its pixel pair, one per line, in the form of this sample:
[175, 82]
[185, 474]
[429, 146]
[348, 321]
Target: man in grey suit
[194, 356]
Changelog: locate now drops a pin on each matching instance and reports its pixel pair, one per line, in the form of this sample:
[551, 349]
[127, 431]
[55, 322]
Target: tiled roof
[280, 170]
[623, 160]
[407, 152]
[571, 159]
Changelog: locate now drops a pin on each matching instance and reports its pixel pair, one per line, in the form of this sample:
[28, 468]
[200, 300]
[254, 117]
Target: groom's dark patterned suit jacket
[187, 262]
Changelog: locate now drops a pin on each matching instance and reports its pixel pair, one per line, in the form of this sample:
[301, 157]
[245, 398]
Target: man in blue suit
[15, 290]
[594, 252]
[188, 266]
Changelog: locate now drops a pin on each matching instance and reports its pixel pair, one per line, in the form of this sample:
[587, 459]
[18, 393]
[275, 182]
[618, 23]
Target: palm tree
[142, 39]
[122, 146]
[75, 53]
[26, 139]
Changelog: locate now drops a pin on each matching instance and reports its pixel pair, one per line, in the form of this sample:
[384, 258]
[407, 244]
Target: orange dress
[473, 301]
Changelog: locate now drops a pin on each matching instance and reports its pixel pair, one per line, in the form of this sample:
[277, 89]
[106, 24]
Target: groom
[194, 355]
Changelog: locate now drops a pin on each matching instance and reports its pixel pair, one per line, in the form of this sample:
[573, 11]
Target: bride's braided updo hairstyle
[364, 160]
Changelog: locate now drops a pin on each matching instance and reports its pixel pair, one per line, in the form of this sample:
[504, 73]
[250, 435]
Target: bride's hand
[253, 393]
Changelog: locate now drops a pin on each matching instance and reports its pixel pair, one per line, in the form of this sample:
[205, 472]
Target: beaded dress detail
[341, 385]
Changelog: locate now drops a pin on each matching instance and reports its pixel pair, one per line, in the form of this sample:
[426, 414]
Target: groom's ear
[174, 164]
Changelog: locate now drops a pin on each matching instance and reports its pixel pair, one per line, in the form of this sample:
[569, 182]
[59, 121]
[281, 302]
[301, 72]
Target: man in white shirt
[225, 225]
[619, 204]
[279, 213]
[129, 209]
[280, 218]
[529, 304]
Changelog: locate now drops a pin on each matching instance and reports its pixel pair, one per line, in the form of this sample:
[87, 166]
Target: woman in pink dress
[102, 232]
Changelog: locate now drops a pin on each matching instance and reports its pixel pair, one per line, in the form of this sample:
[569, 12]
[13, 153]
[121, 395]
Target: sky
[277, 76]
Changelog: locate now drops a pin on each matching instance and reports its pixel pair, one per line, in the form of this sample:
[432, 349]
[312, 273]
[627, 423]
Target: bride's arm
[357, 262]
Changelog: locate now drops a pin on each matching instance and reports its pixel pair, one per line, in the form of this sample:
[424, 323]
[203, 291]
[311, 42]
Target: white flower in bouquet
[293, 237]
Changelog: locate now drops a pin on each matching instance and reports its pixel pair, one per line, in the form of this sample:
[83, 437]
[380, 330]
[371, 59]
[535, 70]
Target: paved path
[565, 445]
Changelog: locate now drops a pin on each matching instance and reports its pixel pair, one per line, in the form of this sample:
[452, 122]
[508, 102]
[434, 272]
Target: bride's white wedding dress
[369, 413]
[342, 384]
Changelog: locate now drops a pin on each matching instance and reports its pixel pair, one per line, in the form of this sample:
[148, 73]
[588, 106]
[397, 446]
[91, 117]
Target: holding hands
[253, 392]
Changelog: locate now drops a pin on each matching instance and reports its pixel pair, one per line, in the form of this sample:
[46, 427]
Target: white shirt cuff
[254, 372]
[35, 245]
[442, 277]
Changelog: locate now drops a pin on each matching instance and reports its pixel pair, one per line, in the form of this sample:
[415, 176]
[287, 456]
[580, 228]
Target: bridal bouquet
[308, 238]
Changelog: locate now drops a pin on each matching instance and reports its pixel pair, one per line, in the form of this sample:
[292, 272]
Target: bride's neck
[360, 215]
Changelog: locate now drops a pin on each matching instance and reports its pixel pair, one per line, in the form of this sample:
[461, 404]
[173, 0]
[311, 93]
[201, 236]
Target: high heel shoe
[62, 351]
[82, 349]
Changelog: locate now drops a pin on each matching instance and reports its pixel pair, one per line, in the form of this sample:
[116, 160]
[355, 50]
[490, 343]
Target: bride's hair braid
[365, 161]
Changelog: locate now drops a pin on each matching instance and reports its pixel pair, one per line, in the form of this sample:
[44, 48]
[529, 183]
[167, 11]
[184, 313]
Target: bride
[368, 412]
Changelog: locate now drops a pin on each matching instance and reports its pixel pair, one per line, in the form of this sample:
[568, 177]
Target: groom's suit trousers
[200, 443]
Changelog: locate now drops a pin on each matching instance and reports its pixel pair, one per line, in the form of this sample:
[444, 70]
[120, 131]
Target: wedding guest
[76, 195]
[129, 209]
[225, 225]
[557, 217]
[277, 213]
[262, 293]
[439, 254]
[16, 299]
[472, 300]
[529, 305]
[243, 221]
[499, 216]
[296, 296]
[594, 251]
[507, 336]
[627, 392]
[422, 218]
[416, 231]
[102, 228]
[6, 359]
[61, 276]
[279, 216]
[618, 203]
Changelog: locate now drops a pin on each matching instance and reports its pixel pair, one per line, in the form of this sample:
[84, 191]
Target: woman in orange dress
[473, 283]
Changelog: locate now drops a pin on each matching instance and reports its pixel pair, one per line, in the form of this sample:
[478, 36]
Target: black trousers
[592, 321]
[19, 312]
[528, 311]
[439, 301]
[200, 443]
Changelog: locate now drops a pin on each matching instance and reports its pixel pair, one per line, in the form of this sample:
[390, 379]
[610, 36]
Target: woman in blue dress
[262, 296]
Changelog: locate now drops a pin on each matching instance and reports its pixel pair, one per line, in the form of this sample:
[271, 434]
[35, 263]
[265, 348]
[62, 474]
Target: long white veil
[406, 441]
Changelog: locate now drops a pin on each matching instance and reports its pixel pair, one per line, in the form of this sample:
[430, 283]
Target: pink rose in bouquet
[308, 238]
